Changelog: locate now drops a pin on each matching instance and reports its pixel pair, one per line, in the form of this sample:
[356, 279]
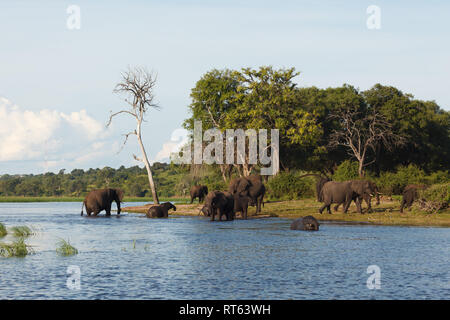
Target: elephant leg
[220, 214]
[402, 205]
[108, 210]
[329, 209]
[347, 204]
[192, 199]
[321, 208]
[244, 213]
[358, 205]
[336, 207]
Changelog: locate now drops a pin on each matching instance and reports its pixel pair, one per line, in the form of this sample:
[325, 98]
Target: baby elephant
[160, 211]
[308, 223]
[241, 204]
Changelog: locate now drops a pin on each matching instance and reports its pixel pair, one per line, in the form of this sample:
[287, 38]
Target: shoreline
[386, 214]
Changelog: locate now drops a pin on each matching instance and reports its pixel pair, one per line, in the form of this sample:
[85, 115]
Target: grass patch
[65, 248]
[17, 248]
[3, 231]
[22, 231]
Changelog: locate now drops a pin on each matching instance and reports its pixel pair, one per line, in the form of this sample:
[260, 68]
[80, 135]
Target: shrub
[393, 183]
[435, 198]
[288, 186]
[347, 170]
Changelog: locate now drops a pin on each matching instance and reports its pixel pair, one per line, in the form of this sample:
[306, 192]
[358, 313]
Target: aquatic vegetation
[3, 231]
[65, 248]
[17, 248]
[22, 231]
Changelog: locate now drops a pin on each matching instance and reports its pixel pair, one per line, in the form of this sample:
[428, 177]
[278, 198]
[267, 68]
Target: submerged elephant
[101, 199]
[161, 210]
[409, 195]
[251, 186]
[199, 192]
[306, 223]
[220, 203]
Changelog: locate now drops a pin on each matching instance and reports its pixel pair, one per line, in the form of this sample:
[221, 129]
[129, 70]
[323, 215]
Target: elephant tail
[82, 208]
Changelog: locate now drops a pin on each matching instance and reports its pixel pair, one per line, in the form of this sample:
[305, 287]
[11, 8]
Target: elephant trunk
[82, 208]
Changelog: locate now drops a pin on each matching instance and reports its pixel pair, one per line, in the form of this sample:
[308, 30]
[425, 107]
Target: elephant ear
[120, 194]
[243, 185]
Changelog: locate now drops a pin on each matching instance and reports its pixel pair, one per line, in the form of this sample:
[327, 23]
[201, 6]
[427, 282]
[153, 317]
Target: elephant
[409, 195]
[344, 192]
[220, 203]
[308, 223]
[199, 192]
[160, 211]
[366, 196]
[101, 199]
[251, 186]
[241, 204]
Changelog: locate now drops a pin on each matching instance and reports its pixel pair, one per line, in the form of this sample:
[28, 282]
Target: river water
[132, 257]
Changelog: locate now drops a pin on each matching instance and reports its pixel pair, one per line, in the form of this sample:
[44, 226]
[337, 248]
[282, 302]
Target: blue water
[132, 257]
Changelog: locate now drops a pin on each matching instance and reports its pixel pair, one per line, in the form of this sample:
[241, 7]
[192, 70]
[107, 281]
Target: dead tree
[361, 132]
[137, 86]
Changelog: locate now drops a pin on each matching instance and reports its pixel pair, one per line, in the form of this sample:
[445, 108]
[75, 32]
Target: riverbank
[387, 213]
[80, 199]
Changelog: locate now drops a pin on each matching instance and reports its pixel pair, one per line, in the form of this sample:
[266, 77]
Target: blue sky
[56, 84]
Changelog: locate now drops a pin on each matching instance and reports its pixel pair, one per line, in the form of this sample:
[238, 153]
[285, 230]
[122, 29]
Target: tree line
[380, 128]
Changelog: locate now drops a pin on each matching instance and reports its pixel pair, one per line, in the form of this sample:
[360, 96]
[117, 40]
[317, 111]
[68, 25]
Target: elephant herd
[245, 191]
[241, 193]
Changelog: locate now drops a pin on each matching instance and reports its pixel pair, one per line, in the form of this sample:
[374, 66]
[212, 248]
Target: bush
[435, 198]
[288, 186]
[347, 170]
[393, 183]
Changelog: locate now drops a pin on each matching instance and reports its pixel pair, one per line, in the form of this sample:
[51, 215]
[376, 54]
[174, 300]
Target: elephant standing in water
[251, 186]
[220, 203]
[160, 211]
[199, 192]
[308, 223]
[101, 199]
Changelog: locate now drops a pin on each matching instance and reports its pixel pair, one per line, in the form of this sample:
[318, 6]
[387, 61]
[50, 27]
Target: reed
[65, 248]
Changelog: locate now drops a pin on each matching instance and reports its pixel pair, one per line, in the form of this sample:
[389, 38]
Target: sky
[56, 83]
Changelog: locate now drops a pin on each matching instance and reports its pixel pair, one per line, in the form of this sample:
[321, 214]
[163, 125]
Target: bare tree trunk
[147, 166]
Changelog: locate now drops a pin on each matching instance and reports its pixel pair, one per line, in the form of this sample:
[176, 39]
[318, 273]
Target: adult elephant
[308, 223]
[220, 203]
[161, 210]
[409, 195]
[251, 186]
[101, 199]
[199, 192]
[365, 190]
[241, 204]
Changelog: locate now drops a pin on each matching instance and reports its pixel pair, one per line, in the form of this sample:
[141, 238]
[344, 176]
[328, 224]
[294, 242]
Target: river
[183, 257]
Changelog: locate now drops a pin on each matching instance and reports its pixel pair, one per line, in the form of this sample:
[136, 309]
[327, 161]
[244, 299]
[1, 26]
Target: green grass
[65, 248]
[3, 231]
[17, 248]
[80, 199]
[22, 231]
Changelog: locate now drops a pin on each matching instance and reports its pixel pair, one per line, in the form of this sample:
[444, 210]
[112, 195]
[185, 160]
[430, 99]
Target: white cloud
[34, 135]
